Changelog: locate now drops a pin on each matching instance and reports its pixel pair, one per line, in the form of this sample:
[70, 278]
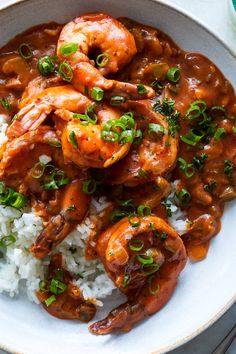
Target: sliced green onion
[157, 85]
[117, 100]
[155, 130]
[97, 94]
[38, 170]
[125, 281]
[150, 268]
[65, 71]
[102, 59]
[191, 138]
[220, 134]
[46, 65]
[136, 245]
[144, 259]
[139, 136]
[164, 235]
[89, 112]
[183, 197]
[110, 136]
[144, 210]
[199, 160]
[173, 74]
[193, 112]
[200, 104]
[5, 103]
[186, 168]
[18, 200]
[126, 136]
[57, 287]
[60, 179]
[7, 241]
[42, 286]
[234, 130]
[15, 117]
[54, 142]
[209, 187]
[128, 120]
[25, 51]
[153, 291]
[229, 167]
[89, 186]
[50, 300]
[141, 89]
[142, 173]
[73, 140]
[68, 49]
[116, 215]
[134, 220]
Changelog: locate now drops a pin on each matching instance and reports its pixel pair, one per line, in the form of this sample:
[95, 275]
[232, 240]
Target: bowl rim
[225, 307]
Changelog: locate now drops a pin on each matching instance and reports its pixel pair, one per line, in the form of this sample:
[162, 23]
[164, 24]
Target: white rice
[20, 271]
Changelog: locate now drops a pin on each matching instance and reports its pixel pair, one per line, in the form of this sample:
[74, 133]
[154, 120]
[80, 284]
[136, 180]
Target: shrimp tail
[54, 232]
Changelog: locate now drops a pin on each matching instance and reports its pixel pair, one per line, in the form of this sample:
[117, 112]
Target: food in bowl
[117, 157]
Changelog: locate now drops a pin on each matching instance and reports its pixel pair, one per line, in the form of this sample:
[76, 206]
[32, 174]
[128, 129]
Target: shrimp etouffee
[109, 107]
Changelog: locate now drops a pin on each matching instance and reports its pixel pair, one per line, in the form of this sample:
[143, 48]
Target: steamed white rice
[21, 272]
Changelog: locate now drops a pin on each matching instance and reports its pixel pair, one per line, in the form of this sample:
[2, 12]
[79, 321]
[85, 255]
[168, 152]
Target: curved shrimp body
[62, 203]
[99, 32]
[35, 112]
[144, 262]
[83, 144]
[70, 304]
[155, 156]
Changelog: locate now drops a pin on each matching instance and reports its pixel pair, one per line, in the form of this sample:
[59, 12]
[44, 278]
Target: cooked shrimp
[144, 262]
[61, 201]
[34, 113]
[69, 304]
[155, 156]
[99, 32]
[88, 148]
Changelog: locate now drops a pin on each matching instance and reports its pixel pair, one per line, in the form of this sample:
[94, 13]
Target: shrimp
[155, 156]
[35, 112]
[89, 149]
[98, 32]
[144, 262]
[69, 304]
[55, 189]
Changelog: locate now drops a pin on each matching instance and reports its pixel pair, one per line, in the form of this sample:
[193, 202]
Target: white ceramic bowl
[206, 289]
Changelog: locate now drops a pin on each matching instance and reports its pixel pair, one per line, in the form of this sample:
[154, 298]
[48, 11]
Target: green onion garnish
[125, 281]
[144, 210]
[155, 131]
[128, 120]
[43, 286]
[186, 168]
[138, 137]
[110, 136]
[54, 142]
[9, 197]
[150, 286]
[141, 89]
[229, 167]
[150, 268]
[90, 114]
[116, 215]
[50, 300]
[126, 136]
[191, 138]
[97, 94]
[136, 245]
[183, 197]
[25, 51]
[68, 49]
[220, 133]
[38, 170]
[73, 140]
[102, 59]
[89, 186]
[7, 241]
[218, 112]
[234, 130]
[65, 71]
[209, 187]
[144, 259]
[46, 65]
[57, 287]
[5, 103]
[117, 100]
[142, 173]
[134, 220]
[173, 75]
[199, 161]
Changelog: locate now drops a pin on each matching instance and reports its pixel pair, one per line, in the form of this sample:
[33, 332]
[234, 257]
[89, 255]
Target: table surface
[214, 13]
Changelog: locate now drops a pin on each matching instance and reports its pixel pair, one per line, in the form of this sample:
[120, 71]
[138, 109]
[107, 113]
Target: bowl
[206, 289]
